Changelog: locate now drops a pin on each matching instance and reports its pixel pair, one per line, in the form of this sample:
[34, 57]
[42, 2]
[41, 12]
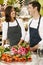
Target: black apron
[34, 35]
[14, 34]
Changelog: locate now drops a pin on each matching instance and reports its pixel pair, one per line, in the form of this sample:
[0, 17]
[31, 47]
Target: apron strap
[8, 25]
[17, 21]
[30, 23]
[39, 22]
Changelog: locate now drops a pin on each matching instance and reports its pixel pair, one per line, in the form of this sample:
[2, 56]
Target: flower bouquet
[17, 53]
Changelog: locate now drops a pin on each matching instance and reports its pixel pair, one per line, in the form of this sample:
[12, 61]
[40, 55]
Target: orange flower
[30, 59]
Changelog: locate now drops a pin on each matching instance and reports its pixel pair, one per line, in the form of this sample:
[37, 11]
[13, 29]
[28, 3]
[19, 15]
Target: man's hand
[34, 48]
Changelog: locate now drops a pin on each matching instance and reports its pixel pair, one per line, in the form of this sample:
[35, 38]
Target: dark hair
[7, 13]
[36, 4]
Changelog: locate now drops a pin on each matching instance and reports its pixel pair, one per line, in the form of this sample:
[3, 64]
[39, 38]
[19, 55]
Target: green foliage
[41, 2]
[41, 11]
[17, 9]
[1, 1]
[1, 50]
[0, 54]
[6, 49]
[11, 2]
[16, 46]
[28, 54]
[24, 44]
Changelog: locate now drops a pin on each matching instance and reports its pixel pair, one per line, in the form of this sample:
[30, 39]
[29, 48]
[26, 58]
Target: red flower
[28, 48]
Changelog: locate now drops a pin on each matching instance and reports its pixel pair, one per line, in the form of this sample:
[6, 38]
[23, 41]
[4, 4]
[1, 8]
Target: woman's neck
[12, 20]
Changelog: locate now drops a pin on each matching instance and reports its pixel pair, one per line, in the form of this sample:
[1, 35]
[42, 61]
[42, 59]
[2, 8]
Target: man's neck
[36, 15]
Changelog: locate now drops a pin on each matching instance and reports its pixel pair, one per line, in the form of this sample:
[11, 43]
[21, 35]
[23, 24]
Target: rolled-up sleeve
[41, 30]
[4, 30]
[22, 29]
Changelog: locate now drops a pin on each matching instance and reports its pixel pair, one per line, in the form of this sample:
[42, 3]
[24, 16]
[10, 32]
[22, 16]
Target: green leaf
[1, 49]
[28, 54]
[1, 1]
[6, 49]
[0, 54]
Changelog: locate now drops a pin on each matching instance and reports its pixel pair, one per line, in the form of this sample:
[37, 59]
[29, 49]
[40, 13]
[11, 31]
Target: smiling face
[34, 7]
[10, 14]
[31, 9]
[13, 13]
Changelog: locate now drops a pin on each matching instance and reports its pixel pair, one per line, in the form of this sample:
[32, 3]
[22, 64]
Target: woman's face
[13, 13]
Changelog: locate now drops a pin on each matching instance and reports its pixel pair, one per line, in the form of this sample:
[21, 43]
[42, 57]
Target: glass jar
[40, 50]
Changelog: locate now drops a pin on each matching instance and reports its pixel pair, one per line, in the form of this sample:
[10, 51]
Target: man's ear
[35, 8]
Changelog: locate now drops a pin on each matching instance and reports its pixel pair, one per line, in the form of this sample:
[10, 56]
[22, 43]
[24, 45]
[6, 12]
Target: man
[35, 29]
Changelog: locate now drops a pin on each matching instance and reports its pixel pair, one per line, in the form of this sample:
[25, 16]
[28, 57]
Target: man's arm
[34, 48]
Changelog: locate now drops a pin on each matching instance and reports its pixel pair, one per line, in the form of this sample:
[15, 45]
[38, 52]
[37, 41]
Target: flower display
[16, 53]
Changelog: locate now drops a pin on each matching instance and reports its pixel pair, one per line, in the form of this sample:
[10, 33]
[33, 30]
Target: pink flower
[22, 51]
[14, 50]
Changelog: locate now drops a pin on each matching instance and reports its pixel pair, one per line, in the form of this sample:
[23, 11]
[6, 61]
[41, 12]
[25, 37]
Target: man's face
[31, 9]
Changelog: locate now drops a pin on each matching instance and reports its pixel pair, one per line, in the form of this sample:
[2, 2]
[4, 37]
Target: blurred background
[21, 10]
[19, 3]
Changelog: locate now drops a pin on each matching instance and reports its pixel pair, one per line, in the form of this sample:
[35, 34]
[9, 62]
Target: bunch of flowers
[17, 53]
[21, 53]
[22, 49]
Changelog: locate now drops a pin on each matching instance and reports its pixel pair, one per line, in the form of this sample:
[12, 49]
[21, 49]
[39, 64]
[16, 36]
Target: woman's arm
[3, 42]
[22, 31]
[4, 32]
[20, 42]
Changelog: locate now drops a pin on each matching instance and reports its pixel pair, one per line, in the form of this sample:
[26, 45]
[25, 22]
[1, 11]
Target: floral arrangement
[17, 53]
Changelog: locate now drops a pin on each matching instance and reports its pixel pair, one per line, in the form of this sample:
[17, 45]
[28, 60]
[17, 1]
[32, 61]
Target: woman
[13, 28]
